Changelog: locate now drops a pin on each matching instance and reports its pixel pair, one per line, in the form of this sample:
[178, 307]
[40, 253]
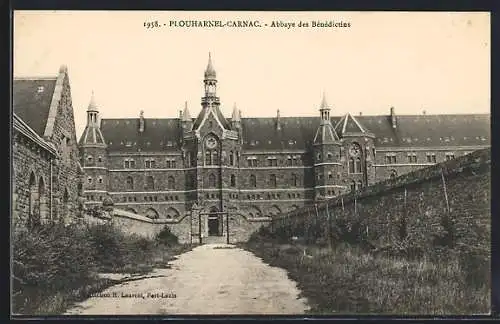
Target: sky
[438, 62]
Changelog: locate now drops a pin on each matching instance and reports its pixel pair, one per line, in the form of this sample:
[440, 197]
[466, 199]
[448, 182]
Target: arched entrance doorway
[214, 223]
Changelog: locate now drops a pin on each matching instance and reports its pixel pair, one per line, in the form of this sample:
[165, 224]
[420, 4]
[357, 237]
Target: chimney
[141, 121]
[424, 112]
[278, 122]
[361, 113]
[180, 114]
[393, 118]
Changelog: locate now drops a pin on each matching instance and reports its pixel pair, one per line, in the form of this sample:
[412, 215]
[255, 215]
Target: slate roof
[349, 124]
[297, 133]
[31, 105]
[429, 130]
[159, 134]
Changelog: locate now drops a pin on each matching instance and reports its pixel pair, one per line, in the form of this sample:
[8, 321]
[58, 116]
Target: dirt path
[206, 280]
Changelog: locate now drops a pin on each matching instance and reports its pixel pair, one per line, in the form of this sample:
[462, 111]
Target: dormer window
[128, 144]
[89, 159]
[40, 89]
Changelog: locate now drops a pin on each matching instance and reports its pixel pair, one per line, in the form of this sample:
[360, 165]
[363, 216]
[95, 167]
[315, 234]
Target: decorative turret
[327, 165]
[93, 156]
[186, 120]
[236, 117]
[325, 133]
[210, 102]
[92, 134]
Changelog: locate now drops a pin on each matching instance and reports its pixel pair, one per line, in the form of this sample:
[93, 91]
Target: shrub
[49, 258]
[166, 237]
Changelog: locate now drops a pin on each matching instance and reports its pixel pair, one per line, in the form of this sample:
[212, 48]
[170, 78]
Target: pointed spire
[236, 114]
[92, 103]
[186, 116]
[210, 71]
[324, 104]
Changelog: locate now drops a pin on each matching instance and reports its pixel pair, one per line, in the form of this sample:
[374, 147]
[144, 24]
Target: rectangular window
[148, 164]
[126, 164]
[393, 159]
[132, 164]
[168, 164]
[173, 164]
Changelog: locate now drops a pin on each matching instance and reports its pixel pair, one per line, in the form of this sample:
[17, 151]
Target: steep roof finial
[186, 116]
[324, 104]
[92, 103]
[210, 71]
[236, 113]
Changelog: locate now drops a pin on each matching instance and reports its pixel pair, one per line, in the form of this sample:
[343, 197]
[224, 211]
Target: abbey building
[258, 166]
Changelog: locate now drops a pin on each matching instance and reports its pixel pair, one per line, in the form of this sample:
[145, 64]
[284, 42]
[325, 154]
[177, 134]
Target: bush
[47, 259]
[166, 237]
[57, 259]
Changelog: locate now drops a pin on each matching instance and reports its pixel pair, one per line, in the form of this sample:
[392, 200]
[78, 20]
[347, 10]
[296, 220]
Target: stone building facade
[45, 164]
[257, 167]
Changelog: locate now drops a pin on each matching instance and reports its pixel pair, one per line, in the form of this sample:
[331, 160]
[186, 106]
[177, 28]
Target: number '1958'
[152, 24]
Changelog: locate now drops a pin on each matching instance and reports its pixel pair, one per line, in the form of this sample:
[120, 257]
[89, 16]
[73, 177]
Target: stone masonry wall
[467, 184]
[27, 158]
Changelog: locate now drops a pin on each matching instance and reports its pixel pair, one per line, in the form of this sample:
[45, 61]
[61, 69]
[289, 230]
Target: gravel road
[210, 279]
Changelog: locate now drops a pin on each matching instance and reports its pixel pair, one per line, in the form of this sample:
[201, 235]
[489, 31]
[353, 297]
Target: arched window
[294, 180]
[211, 180]
[253, 181]
[208, 158]
[233, 180]
[360, 185]
[215, 157]
[272, 180]
[231, 158]
[393, 174]
[358, 165]
[150, 183]
[353, 186]
[42, 200]
[32, 200]
[351, 165]
[130, 183]
[152, 213]
[171, 183]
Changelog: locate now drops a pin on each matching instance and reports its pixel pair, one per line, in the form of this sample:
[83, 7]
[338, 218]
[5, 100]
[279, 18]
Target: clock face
[355, 150]
[211, 142]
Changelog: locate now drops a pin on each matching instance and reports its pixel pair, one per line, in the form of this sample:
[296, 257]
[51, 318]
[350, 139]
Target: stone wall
[459, 188]
[240, 228]
[29, 163]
